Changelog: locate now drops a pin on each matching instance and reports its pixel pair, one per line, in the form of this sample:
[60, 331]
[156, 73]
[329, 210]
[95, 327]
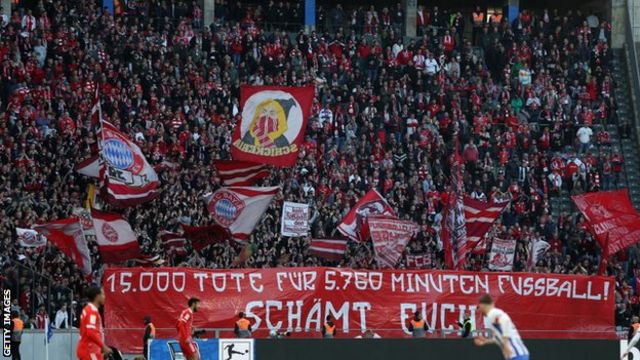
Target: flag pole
[46, 337]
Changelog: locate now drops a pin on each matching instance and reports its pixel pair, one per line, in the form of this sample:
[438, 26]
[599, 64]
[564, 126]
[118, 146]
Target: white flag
[537, 248]
[239, 208]
[30, 238]
[502, 254]
[295, 219]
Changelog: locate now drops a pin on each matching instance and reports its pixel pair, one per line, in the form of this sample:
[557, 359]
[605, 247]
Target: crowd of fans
[530, 103]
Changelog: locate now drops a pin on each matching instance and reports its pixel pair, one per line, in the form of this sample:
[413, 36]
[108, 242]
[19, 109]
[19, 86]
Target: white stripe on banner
[480, 219]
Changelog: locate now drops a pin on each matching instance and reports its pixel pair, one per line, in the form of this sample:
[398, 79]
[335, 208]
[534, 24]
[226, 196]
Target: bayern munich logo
[225, 207]
[29, 238]
[118, 154]
[109, 233]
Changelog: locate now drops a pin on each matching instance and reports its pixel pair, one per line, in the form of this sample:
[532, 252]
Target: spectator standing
[61, 320]
[41, 317]
[584, 135]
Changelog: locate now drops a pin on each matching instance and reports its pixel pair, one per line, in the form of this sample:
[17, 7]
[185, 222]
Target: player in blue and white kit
[505, 334]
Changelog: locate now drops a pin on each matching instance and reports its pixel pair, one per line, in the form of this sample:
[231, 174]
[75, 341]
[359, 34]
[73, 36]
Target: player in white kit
[504, 332]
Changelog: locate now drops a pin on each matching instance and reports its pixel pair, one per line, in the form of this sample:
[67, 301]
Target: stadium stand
[532, 104]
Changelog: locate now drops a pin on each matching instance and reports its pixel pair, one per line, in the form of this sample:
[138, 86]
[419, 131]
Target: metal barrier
[61, 347]
[451, 333]
[63, 342]
[32, 289]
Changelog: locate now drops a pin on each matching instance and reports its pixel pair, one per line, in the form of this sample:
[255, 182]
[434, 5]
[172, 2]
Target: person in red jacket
[91, 345]
[184, 326]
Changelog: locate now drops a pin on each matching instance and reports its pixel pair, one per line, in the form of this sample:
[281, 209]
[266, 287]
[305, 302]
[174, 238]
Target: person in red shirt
[91, 345]
[184, 326]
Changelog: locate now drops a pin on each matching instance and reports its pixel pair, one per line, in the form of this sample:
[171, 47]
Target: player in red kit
[91, 345]
[185, 338]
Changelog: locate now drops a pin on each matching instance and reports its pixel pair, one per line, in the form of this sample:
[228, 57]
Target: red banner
[272, 125]
[541, 305]
[612, 217]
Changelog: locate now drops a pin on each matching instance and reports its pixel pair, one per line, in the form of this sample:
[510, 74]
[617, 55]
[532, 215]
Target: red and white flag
[67, 235]
[116, 240]
[239, 208]
[89, 167]
[146, 260]
[173, 243]
[613, 220]
[479, 217]
[330, 249]
[502, 254]
[240, 173]
[480, 247]
[128, 179]
[30, 238]
[371, 204]
[454, 230]
[390, 237]
[272, 125]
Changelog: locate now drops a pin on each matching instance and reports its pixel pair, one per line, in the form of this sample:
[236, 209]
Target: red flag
[372, 203]
[480, 247]
[240, 173]
[203, 236]
[128, 178]
[454, 231]
[173, 243]
[272, 124]
[116, 240]
[67, 235]
[330, 249]
[390, 237]
[612, 218]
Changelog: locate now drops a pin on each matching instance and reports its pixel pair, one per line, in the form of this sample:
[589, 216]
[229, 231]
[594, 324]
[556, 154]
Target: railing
[632, 62]
[31, 288]
[63, 346]
[452, 333]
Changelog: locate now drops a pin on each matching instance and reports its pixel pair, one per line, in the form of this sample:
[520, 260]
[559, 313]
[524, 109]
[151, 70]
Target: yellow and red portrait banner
[272, 125]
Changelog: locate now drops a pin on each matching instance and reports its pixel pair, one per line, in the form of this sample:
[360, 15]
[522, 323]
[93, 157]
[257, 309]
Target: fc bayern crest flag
[116, 240]
[30, 238]
[239, 208]
[128, 178]
[272, 124]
